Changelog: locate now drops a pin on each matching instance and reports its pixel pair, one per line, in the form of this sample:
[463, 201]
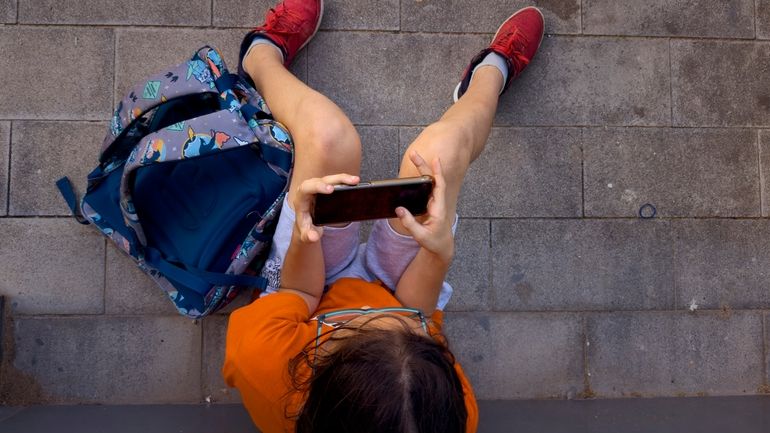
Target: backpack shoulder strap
[199, 280]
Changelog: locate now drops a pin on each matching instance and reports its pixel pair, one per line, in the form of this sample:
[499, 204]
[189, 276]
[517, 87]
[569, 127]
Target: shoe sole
[542, 35]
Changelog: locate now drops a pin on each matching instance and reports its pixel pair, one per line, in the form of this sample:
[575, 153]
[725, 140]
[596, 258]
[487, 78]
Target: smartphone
[373, 200]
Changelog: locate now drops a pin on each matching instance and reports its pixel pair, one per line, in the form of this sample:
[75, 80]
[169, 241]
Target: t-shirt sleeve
[261, 340]
[472, 422]
[266, 333]
[277, 306]
[471, 405]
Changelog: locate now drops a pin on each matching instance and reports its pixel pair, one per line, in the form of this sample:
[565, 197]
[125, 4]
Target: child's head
[374, 379]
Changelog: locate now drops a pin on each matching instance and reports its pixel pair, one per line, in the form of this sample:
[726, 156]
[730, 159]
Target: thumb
[308, 232]
[408, 220]
[314, 234]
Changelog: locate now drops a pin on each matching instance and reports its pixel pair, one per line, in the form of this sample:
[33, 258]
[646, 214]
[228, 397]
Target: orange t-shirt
[264, 336]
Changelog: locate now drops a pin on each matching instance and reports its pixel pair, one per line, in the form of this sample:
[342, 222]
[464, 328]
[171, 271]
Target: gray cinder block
[134, 12]
[240, 13]
[51, 266]
[561, 16]
[522, 172]
[8, 10]
[767, 357]
[518, 356]
[169, 47]
[470, 271]
[703, 18]
[72, 66]
[348, 14]
[214, 387]
[764, 173]
[704, 96]
[763, 19]
[172, 47]
[675, 353]
[525, 172]
[592, 81]
[42, 153]
[394, 79]
[111, 360]
[722, 263]
[579, 265]
[361, 15]
[682, 172]
[129, 290]
[380, 158]
[5, 148]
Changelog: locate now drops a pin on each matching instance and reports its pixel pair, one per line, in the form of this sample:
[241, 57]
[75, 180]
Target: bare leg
[324, 138]
[458, 137]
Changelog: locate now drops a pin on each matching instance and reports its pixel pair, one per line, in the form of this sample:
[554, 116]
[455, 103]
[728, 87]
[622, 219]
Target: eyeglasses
[339, 318]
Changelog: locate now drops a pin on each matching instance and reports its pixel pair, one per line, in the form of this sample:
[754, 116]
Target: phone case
[373, 200]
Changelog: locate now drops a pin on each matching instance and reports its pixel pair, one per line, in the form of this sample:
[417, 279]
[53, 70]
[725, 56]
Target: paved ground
[669, 415]
[561, 289]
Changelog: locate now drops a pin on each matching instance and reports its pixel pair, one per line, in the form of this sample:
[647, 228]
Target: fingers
[307, 231]
[438, 170]
[312, 235]
[420, 163]
[305, 198]
[325, 185]
[435, 169]
[336, 179]
[410, 224]
[439, 188]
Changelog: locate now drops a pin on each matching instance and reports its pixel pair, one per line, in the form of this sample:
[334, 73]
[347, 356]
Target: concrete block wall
[562, 291]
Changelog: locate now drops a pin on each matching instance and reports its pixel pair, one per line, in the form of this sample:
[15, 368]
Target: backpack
[191, 178]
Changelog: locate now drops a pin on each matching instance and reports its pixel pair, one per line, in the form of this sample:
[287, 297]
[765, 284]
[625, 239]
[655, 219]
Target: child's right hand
[433, 231]
[305, 200]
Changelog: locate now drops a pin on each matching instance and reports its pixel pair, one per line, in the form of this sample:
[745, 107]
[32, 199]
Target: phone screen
[373, 200]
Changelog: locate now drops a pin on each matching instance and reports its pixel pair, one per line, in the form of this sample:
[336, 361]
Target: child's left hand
[432, 231]
[305, 199]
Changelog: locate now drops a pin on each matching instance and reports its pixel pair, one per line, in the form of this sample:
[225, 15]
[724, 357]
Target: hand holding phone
[305, 197]
[373, 200]
[433, 231]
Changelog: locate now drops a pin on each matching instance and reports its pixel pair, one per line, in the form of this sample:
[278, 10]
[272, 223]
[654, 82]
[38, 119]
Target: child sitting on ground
[348, 338]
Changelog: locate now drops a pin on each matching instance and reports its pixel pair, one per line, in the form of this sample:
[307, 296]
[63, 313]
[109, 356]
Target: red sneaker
[290, 25]
[517, 40]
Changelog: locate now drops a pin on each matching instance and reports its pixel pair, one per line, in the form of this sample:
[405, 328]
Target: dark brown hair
[379, 380]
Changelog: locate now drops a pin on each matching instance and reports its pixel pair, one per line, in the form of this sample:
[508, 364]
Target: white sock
[496, 60]
[261, 40]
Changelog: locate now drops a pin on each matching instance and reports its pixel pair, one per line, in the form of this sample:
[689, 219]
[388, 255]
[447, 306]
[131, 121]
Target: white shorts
[383, 257]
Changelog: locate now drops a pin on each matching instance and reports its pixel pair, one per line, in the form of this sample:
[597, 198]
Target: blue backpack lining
[183, 203]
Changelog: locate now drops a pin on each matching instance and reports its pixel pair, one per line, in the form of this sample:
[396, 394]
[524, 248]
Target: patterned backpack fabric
[190, 182]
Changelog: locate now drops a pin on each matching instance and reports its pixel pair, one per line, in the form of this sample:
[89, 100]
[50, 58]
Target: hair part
[379, 380]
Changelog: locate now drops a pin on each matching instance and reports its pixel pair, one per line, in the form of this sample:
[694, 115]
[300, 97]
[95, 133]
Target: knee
[334, 142]
[447, 142]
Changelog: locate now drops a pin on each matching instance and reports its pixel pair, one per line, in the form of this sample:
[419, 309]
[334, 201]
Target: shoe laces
[284, 21]
[517, 41]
